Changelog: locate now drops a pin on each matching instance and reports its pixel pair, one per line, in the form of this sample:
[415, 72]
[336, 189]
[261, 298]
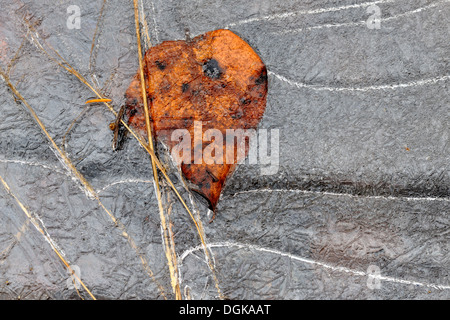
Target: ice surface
[363, 116]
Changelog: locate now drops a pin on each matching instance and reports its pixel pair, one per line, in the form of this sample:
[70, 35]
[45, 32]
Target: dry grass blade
[92, 56]
[174, 273]
[171, 258]
[77, 175]
[63, 143]
[97, 101]
[48, 239]
[65, 65]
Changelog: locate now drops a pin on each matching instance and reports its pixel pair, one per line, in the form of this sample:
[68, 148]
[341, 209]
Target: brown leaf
[215, 78]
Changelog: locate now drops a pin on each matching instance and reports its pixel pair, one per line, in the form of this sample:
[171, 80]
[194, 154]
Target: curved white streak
[360, 23]
[312, 262]
[323, 193]
[335, 194]
[301, 85]
[304, 12]
[35, 219]
[155, 25]
[36, 164]
[123, 182]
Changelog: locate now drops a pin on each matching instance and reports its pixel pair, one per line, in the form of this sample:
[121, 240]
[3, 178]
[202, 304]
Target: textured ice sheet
[363, 116]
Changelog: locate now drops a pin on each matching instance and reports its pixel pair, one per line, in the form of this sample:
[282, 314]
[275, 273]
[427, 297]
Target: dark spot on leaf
[131, 102]
[262, 77]
[207, 185]
[214, 178]
[184, 87]
[245, 101]
[161, 65]
[165, 88]
[211, 69]
[236, 115]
